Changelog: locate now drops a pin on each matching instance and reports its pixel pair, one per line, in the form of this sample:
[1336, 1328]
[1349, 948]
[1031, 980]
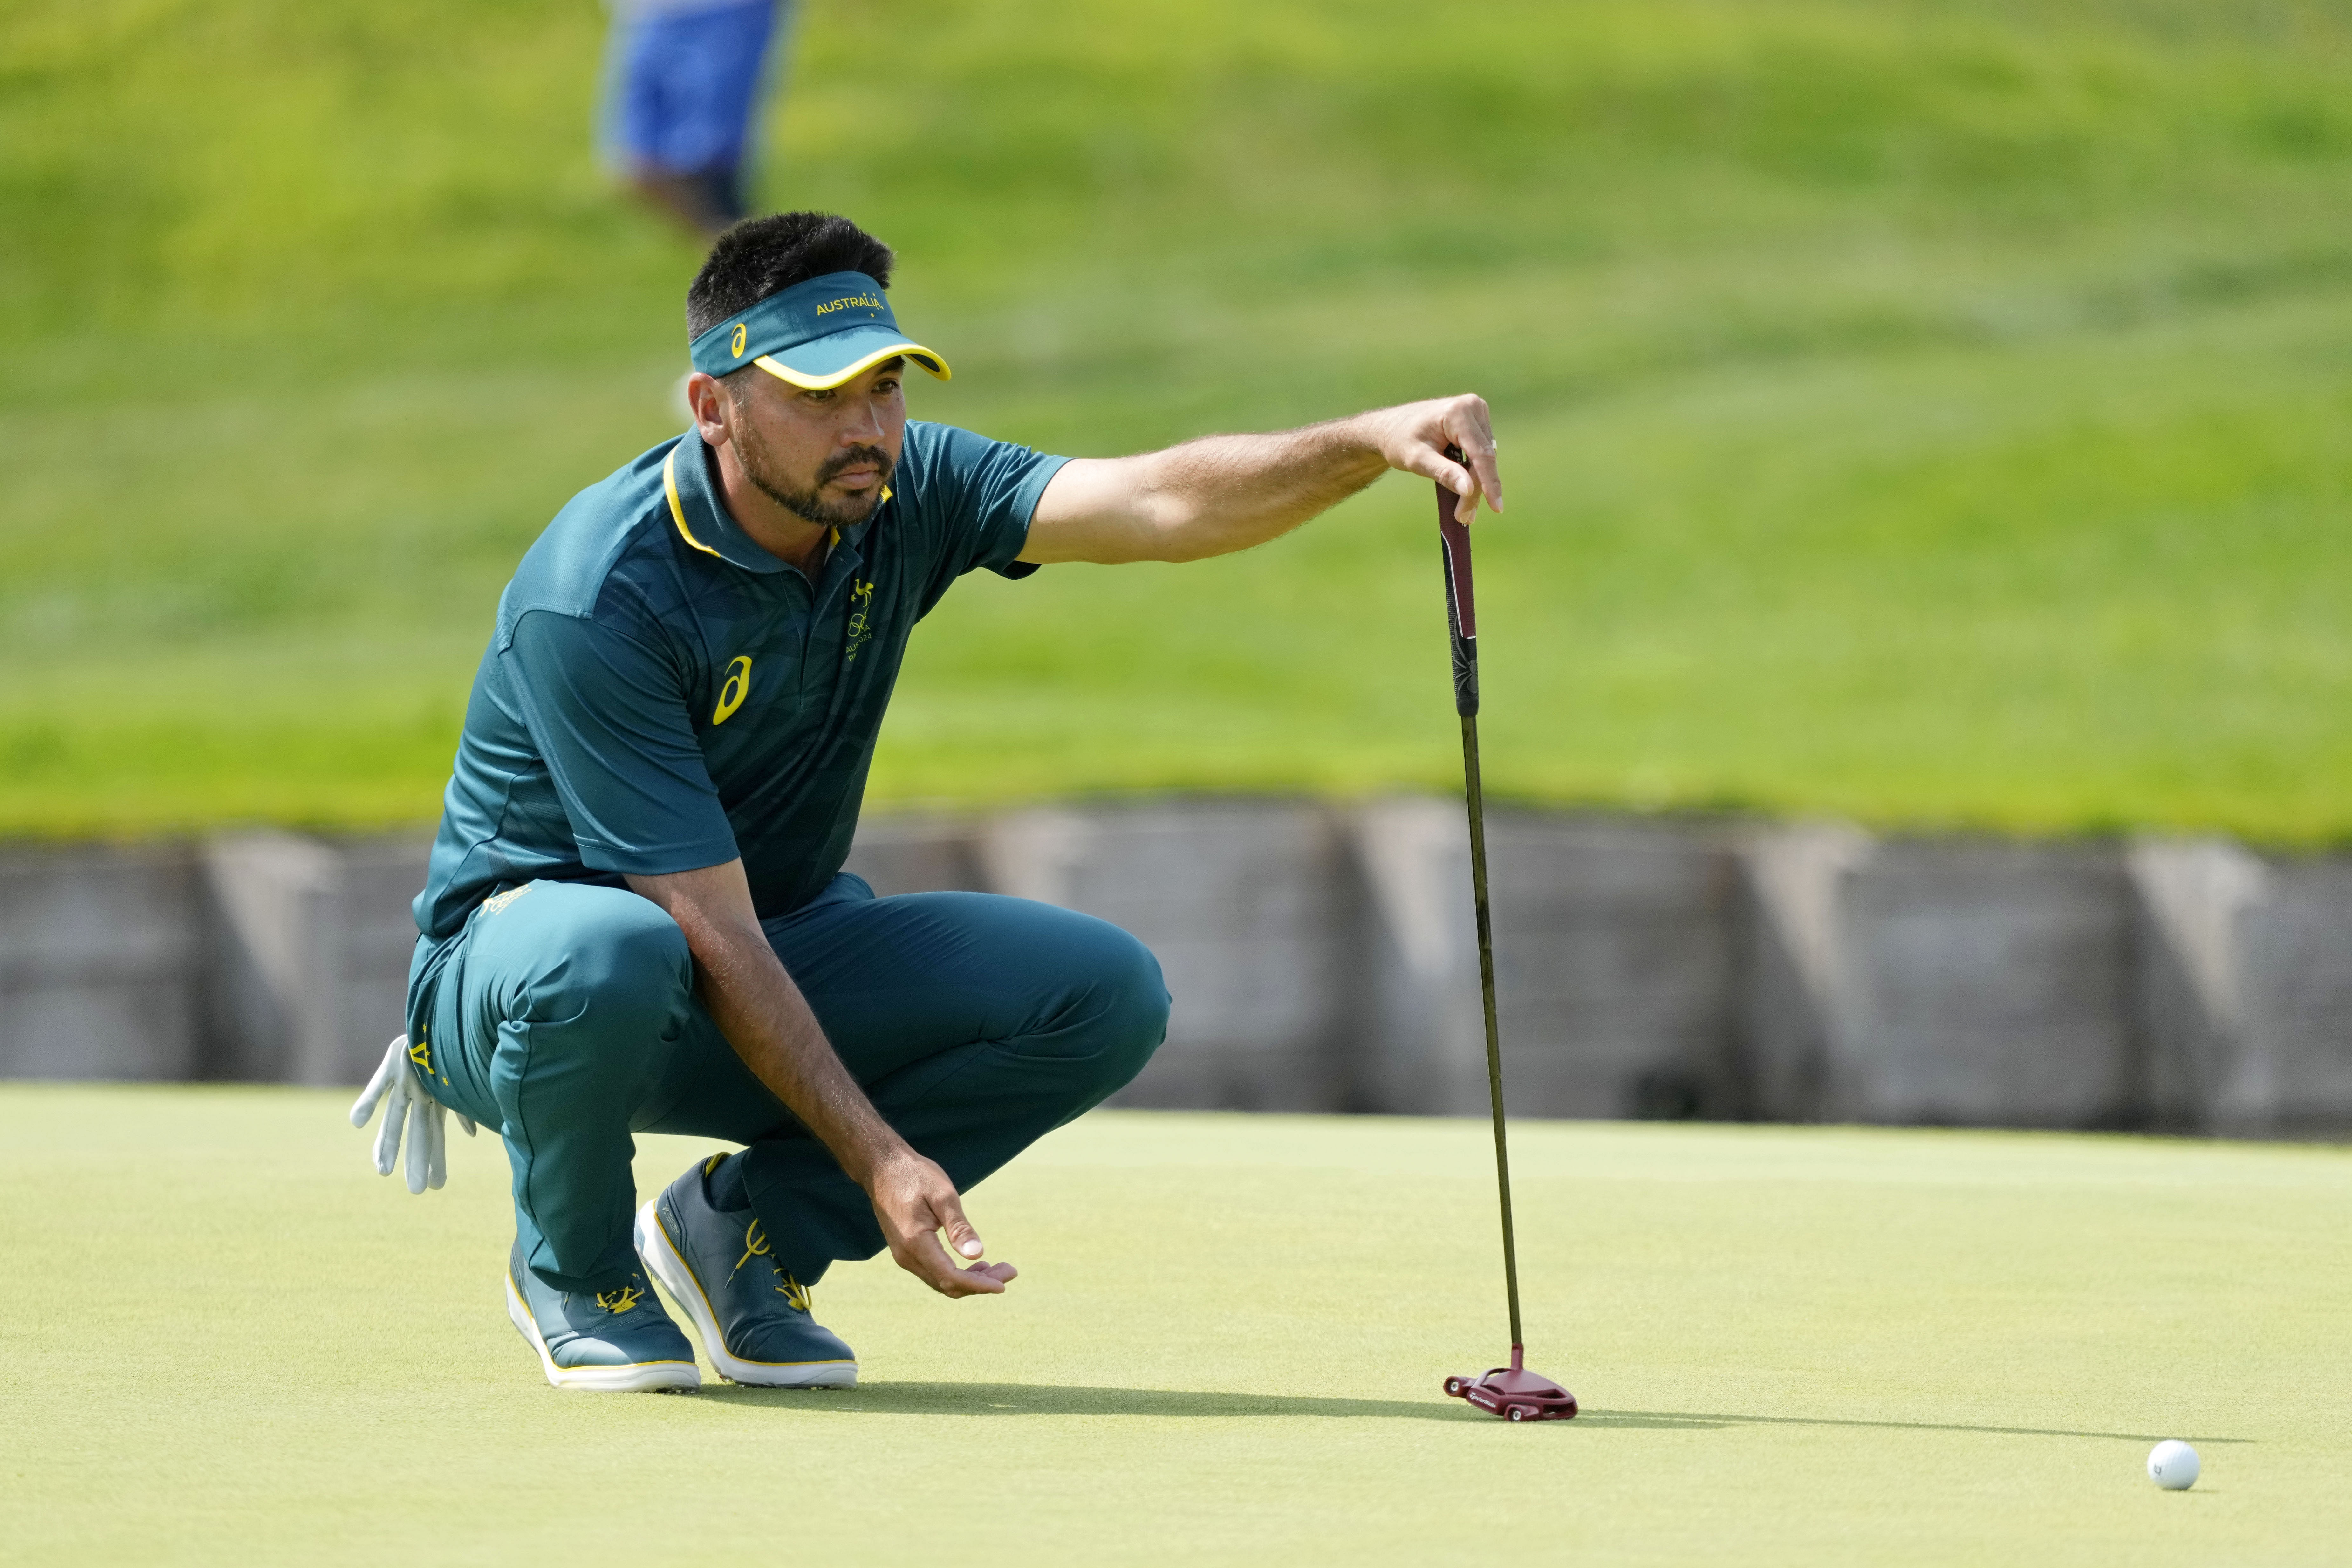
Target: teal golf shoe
[753, 1317]
[618, 1342]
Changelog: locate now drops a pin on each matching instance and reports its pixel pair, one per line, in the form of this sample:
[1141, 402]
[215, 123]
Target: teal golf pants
[565, 1014]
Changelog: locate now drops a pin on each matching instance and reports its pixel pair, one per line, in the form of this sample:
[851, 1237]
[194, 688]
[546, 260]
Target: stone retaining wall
[1616, 957]
[1246, 905]
[103, 957]
[2245, 989]
[1969, 982]
[1322, 958]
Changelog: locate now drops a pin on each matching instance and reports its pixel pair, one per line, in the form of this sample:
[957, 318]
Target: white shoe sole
[662, 1261]
[637, 1377]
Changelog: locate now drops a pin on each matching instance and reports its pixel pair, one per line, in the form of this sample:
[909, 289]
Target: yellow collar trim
[678, 512]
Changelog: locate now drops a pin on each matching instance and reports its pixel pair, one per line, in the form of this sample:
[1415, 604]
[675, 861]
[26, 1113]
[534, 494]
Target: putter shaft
[1487, 993]
[1462, 621]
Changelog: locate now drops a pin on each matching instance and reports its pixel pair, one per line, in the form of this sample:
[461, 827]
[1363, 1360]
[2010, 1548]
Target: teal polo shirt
[662, 694]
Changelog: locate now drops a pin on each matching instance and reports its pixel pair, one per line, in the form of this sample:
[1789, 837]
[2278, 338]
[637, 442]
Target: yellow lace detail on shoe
[623, 1300]
[755, 1244]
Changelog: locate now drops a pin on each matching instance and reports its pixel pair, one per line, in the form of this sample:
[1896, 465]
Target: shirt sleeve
[980, 495]
[610, 717]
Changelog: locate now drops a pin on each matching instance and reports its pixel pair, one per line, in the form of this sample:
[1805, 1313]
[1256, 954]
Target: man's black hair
[764, 256]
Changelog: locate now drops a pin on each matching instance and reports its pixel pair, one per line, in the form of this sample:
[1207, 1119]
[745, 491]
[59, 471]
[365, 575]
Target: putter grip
[1460, 606]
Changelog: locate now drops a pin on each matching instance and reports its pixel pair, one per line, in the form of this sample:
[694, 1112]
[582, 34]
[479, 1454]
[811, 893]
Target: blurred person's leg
[684, 89]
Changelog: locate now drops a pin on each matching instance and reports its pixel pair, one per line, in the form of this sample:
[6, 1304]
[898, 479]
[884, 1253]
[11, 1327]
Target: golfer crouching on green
[637, 919]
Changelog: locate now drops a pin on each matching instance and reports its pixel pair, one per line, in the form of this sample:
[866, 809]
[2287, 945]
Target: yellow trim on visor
[915, 351]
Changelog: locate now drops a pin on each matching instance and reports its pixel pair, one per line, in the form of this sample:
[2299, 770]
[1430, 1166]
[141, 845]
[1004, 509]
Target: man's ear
[713, 406]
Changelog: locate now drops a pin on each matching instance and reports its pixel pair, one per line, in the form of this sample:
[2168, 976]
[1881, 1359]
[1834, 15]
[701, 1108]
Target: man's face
[825, 455]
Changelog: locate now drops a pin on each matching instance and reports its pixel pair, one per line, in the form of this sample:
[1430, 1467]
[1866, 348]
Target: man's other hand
[1414, 435]
[915, 1203]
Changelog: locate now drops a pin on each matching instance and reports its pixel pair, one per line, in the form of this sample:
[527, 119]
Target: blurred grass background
[1935, 413]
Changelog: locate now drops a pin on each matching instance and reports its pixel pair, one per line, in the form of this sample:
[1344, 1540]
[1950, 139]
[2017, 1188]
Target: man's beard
[809, 503]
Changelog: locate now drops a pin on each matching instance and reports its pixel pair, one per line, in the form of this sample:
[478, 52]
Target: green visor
[813, 334]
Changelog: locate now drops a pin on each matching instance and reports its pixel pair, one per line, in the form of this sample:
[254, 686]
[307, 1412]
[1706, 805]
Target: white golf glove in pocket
[429, 1164]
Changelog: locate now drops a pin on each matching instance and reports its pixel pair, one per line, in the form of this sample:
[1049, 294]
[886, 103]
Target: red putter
[1511, 1392]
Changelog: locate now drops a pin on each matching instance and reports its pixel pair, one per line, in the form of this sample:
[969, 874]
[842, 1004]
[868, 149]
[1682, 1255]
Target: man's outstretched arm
[1223, 493]
[765, 1018]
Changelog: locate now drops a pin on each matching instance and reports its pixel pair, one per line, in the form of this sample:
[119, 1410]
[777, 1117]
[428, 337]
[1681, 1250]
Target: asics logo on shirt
[737, 687]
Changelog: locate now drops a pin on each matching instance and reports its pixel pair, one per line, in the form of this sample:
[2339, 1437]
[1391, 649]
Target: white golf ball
[2172, 1465]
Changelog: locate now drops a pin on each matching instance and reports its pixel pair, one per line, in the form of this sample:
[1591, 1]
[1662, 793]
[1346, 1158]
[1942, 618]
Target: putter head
[1515, 1394]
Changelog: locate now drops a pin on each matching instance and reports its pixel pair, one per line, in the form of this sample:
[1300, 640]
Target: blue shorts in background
[684, 85]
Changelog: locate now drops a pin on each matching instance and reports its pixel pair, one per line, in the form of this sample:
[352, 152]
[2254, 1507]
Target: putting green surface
[230, 1342]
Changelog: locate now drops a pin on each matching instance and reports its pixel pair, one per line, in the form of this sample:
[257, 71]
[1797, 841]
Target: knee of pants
[1125, 1009]
[627, 975]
